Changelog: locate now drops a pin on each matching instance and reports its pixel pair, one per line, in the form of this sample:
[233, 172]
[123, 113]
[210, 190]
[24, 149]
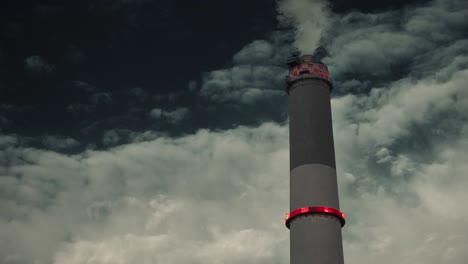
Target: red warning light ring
[315, 210]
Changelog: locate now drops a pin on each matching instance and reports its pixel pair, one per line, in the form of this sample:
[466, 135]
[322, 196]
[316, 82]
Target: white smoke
[309, 18]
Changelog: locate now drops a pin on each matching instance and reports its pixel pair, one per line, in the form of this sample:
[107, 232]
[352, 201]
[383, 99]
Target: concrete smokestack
[315, 221]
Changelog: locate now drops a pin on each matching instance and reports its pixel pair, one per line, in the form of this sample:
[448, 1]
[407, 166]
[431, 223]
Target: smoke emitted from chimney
[320, 53]
[309, 19]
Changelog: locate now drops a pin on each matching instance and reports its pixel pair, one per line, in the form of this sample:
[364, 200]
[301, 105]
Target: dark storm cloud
[255, 76]
[387, 46]
[81, 85]
[245, 84]
[37, 64]
[58, 143]
[111, 138]
[3, 111]
[3, 120]
[88, 100]
[172, 116]
[101, 98]
[79, 109]
[139, 93]
[192, 86]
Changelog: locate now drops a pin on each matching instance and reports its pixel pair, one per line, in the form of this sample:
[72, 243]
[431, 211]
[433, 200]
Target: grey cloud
[448, 59]
[383, 155]
[99, 202]
[408, 235]
[101, 98]
[38, 64]
[5, 109]
[84, 86]
[114, 137]
[383, 47]
[257, 73]
[6, 140]
[110, 138]
[146, 136]
[58, 143]
[356, 86]
[76, 55]
[372, 49]
[170, 97]
[443, 21]
[174, 117]
[139, 93]
[230, 247]
[80, 109]
[258, 51]
[192, 86]
[94, 99]
[3, 120]
[390, 185]
[245, 84]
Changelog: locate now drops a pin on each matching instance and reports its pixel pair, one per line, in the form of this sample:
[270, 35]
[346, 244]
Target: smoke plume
[309, 19]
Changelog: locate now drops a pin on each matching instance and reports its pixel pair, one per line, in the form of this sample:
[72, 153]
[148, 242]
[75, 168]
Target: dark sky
[78, 68]
[108, 48]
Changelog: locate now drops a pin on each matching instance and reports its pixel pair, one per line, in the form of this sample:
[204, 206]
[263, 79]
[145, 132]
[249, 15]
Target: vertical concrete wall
[315, 238]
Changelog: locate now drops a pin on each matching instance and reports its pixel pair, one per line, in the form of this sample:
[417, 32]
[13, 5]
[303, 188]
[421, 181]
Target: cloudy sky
[140, 131]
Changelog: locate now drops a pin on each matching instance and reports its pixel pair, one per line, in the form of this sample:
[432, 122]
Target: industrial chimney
[315, 220]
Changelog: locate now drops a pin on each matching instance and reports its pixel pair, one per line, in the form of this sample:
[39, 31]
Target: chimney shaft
[315, 220]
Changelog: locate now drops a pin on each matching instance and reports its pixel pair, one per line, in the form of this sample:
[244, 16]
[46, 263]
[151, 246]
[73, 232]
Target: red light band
[315, 210]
